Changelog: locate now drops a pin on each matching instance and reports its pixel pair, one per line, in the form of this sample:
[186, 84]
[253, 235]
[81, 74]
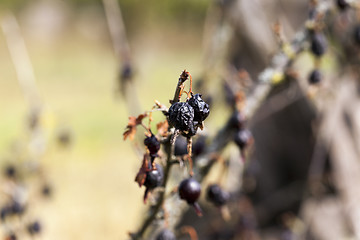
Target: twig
[20, 58]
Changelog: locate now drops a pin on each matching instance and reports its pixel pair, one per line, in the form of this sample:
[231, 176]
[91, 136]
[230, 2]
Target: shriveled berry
[152, 144]
[315, 77]
[180, 146]
[357, 34]
[242, 138]
[318, 44]
[154, 177]
[189, 190]
[216, 195]
[181, 116]
[165, 234]
[201, 108]
[342, 4]
[34, 228]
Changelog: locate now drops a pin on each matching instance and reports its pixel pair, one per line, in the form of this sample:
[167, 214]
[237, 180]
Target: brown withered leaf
[141, 175]
[131, 127]
[162, 128]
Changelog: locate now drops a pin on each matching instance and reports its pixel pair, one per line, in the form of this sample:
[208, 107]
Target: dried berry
[201, 108]
[216, 195]
[318, 44]
[342, 4]
[181, 116]
[242, 138]
[189, 190]
[152, 144]
[357, 34]
[34, 228]
[165, 234]
[315, 77]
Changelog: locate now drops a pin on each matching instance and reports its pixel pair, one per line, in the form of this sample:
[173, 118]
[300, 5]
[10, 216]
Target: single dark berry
[152, 144]
[199, 146]
[180, 146]
[34, 228]
[181, 116]
[165, 234]
[318, 44]
[126, 72]
[216, 195]
[357, 34]
[10, 171]
[237, 120]
[201, 108]
[17, 208]
[46, 190]
[64, 137]
[242, 138]
[4, 212]
[189, 190]
[342, 4]
[154, 177]
[315, 77]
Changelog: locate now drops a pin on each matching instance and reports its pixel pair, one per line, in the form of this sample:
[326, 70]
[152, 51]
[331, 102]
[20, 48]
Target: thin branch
[20, 58]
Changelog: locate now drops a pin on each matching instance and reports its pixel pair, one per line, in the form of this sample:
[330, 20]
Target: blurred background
[295, 183]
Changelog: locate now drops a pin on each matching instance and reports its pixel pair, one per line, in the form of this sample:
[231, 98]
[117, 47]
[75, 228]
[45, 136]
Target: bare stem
[20, 58]
[180, 86]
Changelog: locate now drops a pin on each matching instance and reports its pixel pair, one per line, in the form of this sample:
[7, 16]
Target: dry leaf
[141, 175]
[162, 128]
[131, 127]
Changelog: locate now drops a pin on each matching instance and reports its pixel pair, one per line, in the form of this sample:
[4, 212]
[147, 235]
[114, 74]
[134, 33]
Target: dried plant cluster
[330, 30]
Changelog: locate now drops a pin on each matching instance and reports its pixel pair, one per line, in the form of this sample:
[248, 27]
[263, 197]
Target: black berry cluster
[165, 234]
[216, 195]
[14, 208]
[187, 116]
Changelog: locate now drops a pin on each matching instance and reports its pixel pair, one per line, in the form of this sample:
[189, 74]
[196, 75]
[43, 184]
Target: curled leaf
[131, 127]
[141, 175]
